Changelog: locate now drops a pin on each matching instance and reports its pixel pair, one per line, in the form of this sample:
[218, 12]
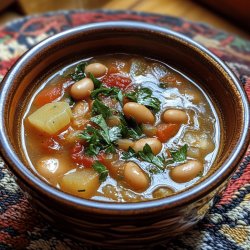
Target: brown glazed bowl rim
[186, 197]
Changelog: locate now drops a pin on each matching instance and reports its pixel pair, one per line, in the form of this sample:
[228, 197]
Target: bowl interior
[149, 41]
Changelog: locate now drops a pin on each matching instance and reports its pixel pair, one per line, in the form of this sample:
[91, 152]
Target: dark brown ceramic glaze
[131, 224]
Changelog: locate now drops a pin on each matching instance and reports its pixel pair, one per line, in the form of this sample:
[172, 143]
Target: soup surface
[120, 128]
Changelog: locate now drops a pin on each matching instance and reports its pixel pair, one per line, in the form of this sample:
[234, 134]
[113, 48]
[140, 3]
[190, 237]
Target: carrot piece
[166, 131]
[47, 95]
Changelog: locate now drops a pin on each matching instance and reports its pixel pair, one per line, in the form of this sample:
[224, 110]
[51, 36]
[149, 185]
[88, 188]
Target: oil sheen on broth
[120, 128]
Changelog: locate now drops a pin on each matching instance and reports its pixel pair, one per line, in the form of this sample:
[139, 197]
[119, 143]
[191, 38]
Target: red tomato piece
[79, 157]
[116, 80]
[47, 95]
[166, 131]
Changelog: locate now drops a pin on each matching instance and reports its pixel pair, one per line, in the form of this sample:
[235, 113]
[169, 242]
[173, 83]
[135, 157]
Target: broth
[133, 130]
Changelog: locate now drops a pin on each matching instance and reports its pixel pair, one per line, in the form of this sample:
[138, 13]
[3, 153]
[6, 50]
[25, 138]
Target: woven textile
[226, 226]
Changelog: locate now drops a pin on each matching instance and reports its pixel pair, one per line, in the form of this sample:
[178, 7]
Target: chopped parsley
[101, 138]
[159, 161]
[130, 128]
[146, 155]
[144, 96]
[101, 170]
[79, 72]
[97, 83]
[99, 108]
[111, 92]
[180, 155]
[130, 153]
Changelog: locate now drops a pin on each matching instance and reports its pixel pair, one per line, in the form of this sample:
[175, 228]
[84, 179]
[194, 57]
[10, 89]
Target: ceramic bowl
[129, 225]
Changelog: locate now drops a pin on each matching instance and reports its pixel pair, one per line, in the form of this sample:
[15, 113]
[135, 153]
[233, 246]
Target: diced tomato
[79, 157]
[116, 80]
[50, 145]
[166, 131]
[47, 95]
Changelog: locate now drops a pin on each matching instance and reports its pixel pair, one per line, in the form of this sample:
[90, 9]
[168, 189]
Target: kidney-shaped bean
[186, 172]
[139, 112]
[96, 69]
[82, 89]
[135, 177]
[154, 144]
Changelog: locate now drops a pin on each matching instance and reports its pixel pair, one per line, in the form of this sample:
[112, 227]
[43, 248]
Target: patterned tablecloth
[227, 226]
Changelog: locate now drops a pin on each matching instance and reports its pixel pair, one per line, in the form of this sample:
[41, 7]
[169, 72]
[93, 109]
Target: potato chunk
[51, 117]
[83, 183]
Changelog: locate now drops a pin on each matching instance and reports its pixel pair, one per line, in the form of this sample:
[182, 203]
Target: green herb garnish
[101, 170]
[101, 138]
[144, 96]
[99, 108]
[146, 155]
[111, 92]
[130, 153]
[97, 83]
[130, 128]
[79, 72]
[159, 161]
[180, 155]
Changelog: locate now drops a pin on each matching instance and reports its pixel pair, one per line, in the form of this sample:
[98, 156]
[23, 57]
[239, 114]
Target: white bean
[139, 112]
[175, 116]
[124, 144]
[82, 89]
[154, 144]
[96, 69]
[135, 177]
[186, 172]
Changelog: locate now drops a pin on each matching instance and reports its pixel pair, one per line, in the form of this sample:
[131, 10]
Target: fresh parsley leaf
[147, 155]
[79, 72]
[132, 96]
[112, 92]
[130, 128]
[101, 138]
[99, 120]
[130, 153]
[101, 170]
[93, 138]
[179, 155]
[144, 96]
[114, 133]
[100, 108]
[96, 82]
[120, 97]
